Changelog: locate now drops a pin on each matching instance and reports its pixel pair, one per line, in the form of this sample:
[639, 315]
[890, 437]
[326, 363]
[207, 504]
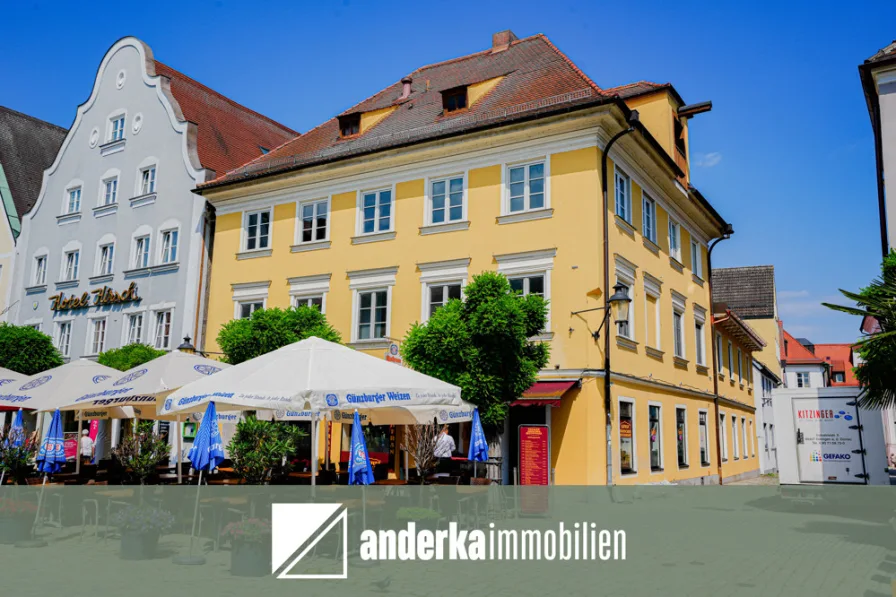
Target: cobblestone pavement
[761, 480]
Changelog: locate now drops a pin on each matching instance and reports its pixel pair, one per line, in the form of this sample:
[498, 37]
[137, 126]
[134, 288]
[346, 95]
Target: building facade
[492, 162]
[27, 147]
[115, 250]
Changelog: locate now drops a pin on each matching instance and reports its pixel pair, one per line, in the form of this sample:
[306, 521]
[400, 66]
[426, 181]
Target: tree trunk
[495, 454]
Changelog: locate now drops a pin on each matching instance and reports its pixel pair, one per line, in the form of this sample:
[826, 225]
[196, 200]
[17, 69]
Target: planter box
[15, 528]
[138, 546]
[250, 559]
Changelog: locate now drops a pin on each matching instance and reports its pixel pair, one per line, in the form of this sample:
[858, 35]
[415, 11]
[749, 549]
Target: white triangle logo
[296, 529]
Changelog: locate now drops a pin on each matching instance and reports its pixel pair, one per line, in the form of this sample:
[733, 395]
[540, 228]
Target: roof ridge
[570, 63]
[228, 100]
[34, 118]
[641, 82]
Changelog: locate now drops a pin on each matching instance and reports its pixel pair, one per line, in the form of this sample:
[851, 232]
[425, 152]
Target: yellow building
[493, 162]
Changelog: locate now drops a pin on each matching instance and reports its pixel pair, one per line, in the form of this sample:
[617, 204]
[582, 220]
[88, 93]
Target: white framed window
[116, 127]
[628, 450]
[64, 337]
[527, 265]
[39, 277]
[678, 332]
[440, 293]
[743, 436]
[163, 329]
[674, 240]
[148, 180]
[526, 187]
[700, 337]
[652, 315]
[109, 191]
[73, 200]
[168, 253]
[752, 441]
[740, 362]
[141, 251]
[257, 230]
[703, 429]
[313, 220]
[97, 337]
[802, 380]
[446, 200]
[719, 354]
[724, 437]
[731, 360]
[734, 443]
[681, 435]
[315, 301]
[70, 265]
[697, 259]
[106, 259]
[625, 275]
[135, 328]
[623, 187]
[372, 303]
[376, 212]
[247, 308]
[655, 436]
[648, 218]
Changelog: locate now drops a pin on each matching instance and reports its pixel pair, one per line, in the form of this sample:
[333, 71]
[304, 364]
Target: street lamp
[187, 346]
[619, 306]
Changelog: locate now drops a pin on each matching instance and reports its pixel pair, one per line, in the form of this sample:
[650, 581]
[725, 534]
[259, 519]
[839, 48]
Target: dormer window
[349, 125]
[454, 99]
[679, 137]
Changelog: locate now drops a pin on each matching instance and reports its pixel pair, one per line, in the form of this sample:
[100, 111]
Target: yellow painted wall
[657, 111]
[372, 118]
[770, 354]
[476, 91]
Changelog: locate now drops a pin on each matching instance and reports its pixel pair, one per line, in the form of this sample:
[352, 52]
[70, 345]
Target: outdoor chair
[85, 509]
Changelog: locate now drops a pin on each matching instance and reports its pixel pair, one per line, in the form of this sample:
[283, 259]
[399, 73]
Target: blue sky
[786, 155]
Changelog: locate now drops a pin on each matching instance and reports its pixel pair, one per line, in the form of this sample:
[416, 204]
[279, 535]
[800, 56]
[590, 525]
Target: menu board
[71, 444]
[535, 455]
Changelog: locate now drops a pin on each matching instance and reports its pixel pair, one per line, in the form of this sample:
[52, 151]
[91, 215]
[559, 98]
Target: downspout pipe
[729, 230]
[633, 119]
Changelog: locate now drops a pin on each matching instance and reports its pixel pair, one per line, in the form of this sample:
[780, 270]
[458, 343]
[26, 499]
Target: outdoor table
[226, 482]
[391, 482]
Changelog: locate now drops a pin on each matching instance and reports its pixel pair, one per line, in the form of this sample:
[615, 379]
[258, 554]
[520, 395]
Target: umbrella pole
[195, 512]
[180, 432]
[314, 436]
[78, 448]
[40, 501]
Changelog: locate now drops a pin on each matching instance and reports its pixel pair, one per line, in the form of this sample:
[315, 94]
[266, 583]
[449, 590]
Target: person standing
[445, 447]
[86, 447]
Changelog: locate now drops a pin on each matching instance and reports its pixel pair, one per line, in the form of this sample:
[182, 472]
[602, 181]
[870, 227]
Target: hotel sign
[101, 297]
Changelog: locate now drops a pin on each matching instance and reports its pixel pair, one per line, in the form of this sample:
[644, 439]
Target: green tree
[877, 373]
[483, 345]
[270, 329]
[129, 356]
[259, 449]
[26, 350]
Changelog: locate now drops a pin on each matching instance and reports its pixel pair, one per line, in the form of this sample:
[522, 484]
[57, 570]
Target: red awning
[545, 393]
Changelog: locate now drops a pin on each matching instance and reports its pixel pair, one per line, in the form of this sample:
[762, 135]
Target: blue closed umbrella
[52, 450]
[208, 450]
[359, 470]
[478, 443]
[17, 430]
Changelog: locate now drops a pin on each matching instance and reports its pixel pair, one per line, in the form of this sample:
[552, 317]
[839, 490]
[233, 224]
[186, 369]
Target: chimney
[406, 89]
[501, 40]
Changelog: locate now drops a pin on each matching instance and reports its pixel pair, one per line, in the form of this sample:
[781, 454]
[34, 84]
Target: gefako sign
[101, 297]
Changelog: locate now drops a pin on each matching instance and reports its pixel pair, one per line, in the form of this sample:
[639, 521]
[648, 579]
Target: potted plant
[140, 528]
[249, 541]
[15, 460]
[16, 518]
[261, 450]
[423, 517]
[141, 452]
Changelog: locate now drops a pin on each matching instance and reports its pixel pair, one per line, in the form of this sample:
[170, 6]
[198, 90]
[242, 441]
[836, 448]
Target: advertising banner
[828, 441]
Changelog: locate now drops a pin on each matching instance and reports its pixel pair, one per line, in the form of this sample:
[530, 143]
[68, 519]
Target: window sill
[683, 466]
[525, 216]
[105, 210]
[310, 246]
[654, 352]
[152, 269]
[651, 246]
[254, 254]
[67, 284]
[369, 344]
[141, 200]
[112, 147]
[444, 227]
[680, 362]
[706, 464]
[676, 265]
[724, 460]
[35, 289]
[68, 218]
[697, 280]
[373, 237]
[656, 469]
[721, 377]
[625, 226]
[101, 279]
[702, 369]
[628, 473]
[543, 337]
[626, 343]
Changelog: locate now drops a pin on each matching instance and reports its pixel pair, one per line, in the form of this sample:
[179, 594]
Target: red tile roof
[637, 88]
[795, 353]
[839, 356]
[228, 134]
[538, 79]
